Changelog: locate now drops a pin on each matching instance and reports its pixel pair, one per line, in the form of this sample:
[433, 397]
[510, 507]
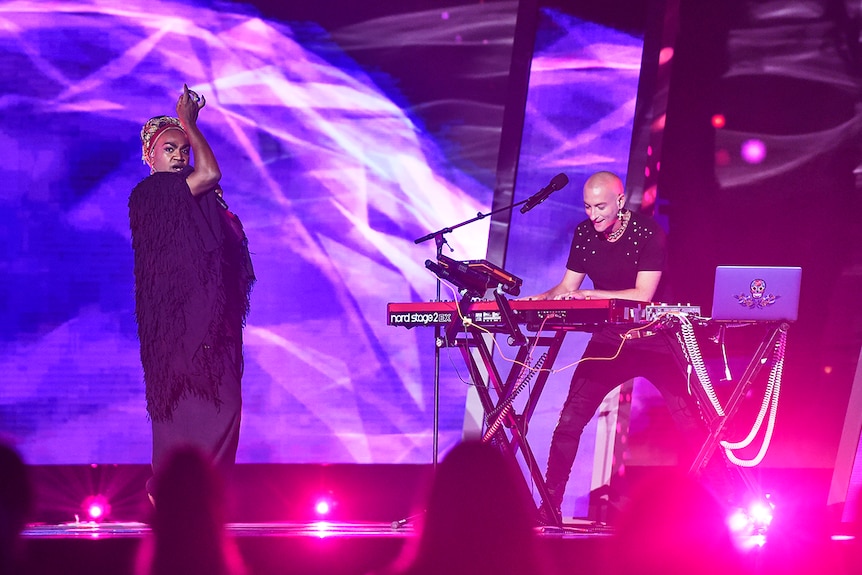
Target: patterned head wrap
[151, 131]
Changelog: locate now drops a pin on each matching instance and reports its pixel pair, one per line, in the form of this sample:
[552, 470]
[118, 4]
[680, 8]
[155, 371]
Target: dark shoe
[546, 519]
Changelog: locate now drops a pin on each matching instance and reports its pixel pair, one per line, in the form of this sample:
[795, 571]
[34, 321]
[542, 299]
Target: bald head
[604, 197]
[604, 184]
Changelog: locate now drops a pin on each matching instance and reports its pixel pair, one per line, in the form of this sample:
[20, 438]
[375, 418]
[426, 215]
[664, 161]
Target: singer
[193, 277]
[624, 254]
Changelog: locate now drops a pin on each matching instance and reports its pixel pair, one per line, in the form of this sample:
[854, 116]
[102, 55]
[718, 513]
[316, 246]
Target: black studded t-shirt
[614, 265]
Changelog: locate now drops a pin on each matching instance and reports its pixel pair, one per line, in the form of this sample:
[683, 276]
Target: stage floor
[359, 548]
[317, 529]
[107, 530]
[274, 525]
[312, 548]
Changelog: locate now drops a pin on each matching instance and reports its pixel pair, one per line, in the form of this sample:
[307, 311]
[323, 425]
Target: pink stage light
[323, 507]
[753, 151]
[97, 508]
[842, 537]
[738, 521]
[749, 526]
[761, 514]
[665, 55]
[718, 121]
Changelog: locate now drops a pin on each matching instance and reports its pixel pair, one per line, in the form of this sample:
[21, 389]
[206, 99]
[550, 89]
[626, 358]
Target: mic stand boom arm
[479, 216]
[559, 181]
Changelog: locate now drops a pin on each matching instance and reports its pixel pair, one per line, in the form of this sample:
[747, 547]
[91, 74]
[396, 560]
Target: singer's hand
[531, 298]
[189, 105]
[575, 294]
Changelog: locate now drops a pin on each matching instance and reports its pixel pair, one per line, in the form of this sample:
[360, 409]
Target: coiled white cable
[689, 342]
[496, 417]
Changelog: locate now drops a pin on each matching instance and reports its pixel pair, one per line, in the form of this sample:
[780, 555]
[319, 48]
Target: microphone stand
[479, 216]
[439, 240]
[438, 343]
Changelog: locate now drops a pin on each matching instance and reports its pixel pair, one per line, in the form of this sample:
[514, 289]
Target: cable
[691, 348]
[505, 407]
[727, 375]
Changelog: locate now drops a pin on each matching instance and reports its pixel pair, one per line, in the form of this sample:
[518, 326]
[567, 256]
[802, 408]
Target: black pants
[201, 423]
[649, 357]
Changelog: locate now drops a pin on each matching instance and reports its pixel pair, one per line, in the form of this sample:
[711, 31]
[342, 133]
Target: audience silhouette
[16, 502]
[479, 519]
[188, 526]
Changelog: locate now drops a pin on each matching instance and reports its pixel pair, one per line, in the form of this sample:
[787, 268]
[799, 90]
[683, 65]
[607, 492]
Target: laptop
[748, 293]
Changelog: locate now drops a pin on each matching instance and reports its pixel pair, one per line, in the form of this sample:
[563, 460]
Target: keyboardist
[624, 254]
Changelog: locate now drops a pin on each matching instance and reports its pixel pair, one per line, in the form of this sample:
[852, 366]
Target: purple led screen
[335, 166]
[332, 178]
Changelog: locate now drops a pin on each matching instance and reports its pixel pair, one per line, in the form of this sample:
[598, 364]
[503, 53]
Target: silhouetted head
[16, 502]
[16, 494]
[479, 516]
[188, 523]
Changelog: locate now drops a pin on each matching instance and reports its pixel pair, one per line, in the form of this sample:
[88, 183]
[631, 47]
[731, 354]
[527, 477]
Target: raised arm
[207, 174]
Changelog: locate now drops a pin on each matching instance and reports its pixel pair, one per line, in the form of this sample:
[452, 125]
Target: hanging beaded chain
[624, 222]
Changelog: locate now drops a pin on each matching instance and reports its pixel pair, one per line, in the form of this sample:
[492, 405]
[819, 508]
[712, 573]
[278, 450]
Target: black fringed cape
[193, 277]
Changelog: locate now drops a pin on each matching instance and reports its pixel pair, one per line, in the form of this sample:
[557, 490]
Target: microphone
[559, 181]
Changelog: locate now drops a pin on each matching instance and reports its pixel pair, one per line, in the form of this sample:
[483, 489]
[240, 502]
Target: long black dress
[193, 277]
